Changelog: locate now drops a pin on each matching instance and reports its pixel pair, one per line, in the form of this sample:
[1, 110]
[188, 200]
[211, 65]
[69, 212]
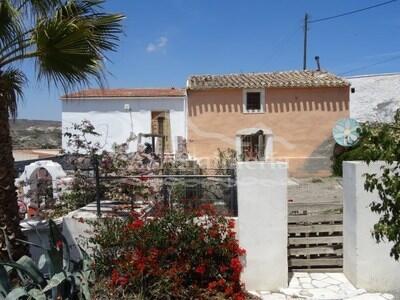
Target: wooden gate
[315, 237]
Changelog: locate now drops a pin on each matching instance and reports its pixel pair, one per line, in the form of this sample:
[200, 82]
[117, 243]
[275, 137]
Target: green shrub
[358, 151]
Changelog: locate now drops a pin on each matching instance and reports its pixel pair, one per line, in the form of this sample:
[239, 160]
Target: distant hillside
[35, 134]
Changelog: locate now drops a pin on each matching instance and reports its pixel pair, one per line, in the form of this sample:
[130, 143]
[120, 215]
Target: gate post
[366, 263]
[262, 218]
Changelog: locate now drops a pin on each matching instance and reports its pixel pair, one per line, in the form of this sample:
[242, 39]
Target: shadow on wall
[282, 105]
[320, 159]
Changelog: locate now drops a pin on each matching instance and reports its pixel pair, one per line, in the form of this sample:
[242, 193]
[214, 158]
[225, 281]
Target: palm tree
[67, 41]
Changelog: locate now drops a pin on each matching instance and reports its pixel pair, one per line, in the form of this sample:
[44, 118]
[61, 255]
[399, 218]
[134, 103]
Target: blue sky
[167, 40]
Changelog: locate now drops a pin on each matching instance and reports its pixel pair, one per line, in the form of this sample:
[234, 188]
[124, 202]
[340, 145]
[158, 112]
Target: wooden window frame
[262, 101]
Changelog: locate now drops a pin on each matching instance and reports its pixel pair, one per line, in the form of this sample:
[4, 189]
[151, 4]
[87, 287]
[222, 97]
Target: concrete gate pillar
[262, 223]
[366, 264]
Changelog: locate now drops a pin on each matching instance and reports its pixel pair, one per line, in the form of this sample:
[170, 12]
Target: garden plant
[383, 143]
[66, 41]
[55, 276]
[171, 253]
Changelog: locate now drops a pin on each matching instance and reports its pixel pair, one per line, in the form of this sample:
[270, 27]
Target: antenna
[346, 132]
[318, 65]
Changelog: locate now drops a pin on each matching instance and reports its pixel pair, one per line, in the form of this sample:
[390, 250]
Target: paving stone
[318, 276]
[307, 286]
[325, 286]
[295, 284]
[337, 276]
[304, 280]
[301, 274]
[274, 296]
[293, 292]
[347, 287]
[330, 280]
[368, 297]
[334, 288]
[264, 293]
[254, 293]
[305, 293]
[320, 283]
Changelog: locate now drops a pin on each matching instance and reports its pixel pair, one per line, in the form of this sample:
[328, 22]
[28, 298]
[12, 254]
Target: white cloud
[157, 45]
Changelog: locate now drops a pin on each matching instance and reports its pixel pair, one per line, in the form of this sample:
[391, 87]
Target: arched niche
[50, 169]
[254, 144]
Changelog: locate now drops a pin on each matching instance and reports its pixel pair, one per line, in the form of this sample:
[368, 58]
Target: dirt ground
[315, 190]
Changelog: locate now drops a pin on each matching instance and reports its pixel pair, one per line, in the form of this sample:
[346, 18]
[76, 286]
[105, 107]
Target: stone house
[281, 115]
[126, 114]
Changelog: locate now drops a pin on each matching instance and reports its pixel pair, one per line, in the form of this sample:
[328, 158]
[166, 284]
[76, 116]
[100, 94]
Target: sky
[165, 41]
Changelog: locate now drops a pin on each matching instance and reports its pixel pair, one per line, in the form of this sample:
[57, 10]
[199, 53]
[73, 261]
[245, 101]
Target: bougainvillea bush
[172, 254]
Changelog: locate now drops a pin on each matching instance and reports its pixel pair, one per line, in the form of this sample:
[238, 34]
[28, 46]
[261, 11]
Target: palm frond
[71, 45]
[10, 23]
[37, 8]
[11, 88]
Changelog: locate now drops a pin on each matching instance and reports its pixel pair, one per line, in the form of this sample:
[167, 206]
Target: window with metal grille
[253, 101]
[253, 147]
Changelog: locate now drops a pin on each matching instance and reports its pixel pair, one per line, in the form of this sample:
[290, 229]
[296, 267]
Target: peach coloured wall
[301, 120]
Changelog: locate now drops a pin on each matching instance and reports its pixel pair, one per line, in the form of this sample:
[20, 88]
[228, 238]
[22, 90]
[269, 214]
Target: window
[253, 147]
[253, 100]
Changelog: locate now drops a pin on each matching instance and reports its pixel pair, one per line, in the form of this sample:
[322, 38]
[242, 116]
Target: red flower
[59, 245]
[239, 296]
[134, 214]
[200, 269]
[241, 251]
[231, 234]
[231, 224]
[228, 291]
[212, 285]
[143, 178]
[223, 268]
[236, 265]
[221, 282]
[123, 281]
[136, 224]
[118, 279]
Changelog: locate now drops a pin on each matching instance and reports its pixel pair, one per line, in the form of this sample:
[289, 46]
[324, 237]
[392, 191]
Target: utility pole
[305, 41]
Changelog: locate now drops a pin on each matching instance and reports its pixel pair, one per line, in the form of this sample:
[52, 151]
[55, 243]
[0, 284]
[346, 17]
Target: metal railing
[216, 186]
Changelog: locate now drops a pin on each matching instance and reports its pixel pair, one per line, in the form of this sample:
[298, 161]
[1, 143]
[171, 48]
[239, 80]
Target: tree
[382, 142]
[67, 41]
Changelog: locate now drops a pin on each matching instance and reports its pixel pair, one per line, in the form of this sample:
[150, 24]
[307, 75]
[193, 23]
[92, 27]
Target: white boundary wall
[367, 264]
[262, 206]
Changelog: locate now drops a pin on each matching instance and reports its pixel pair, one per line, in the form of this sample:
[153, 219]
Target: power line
[351, 12]
[371, 65]
[307, 21]
[280, 46]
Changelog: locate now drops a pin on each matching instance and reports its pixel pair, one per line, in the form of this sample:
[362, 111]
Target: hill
[35, 134]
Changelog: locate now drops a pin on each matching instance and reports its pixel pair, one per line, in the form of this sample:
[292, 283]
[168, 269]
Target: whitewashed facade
[375, 97]
[119, 113]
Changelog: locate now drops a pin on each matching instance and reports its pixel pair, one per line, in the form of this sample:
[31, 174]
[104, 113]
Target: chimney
[318, 65]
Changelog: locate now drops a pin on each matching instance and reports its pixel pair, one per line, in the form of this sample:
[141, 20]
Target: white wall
[367, 264]
[376, 97]
[263, 222]
[114, 123]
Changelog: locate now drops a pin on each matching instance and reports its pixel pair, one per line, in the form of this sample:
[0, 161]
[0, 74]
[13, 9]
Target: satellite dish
[346, 132]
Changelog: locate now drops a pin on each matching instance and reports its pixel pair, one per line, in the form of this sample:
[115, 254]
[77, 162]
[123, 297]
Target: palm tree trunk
[9, 219]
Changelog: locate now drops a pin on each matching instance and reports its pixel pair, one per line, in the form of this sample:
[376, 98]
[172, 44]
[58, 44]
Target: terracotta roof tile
[287, 79]
[121, 93]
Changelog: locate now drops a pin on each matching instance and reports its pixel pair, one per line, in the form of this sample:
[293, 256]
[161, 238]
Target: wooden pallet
[315, 242]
